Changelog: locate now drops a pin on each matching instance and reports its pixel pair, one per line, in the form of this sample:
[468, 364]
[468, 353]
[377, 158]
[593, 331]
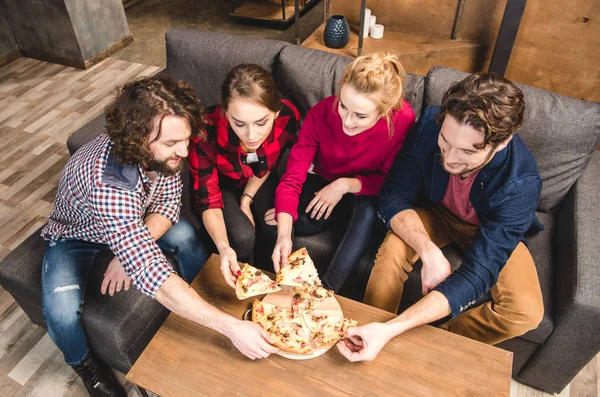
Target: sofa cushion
[203, 59]
[307, 76]
[562, 132]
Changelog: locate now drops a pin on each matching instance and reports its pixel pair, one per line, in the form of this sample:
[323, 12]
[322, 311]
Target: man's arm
[410, 228]
[365, 342]
[157, 225]
[249, 338]
[115, 277]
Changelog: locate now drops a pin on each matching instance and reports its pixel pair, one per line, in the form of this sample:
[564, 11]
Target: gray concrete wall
[98, 24]
[71, 29]
[42, 27]
[7, 41]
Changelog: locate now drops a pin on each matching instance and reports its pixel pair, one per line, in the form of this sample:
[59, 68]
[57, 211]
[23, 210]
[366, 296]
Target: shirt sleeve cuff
[152, 278]
[458, 297]
[171, 212]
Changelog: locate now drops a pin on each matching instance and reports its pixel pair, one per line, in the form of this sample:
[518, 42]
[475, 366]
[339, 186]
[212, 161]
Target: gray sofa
[562, 132]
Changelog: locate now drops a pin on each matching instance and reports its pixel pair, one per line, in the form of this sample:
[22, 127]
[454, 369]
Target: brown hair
[379, 76]
[488, 103]
[142, 104]
[251, 82]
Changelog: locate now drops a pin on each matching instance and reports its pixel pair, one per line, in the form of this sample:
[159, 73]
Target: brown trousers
[516, 305]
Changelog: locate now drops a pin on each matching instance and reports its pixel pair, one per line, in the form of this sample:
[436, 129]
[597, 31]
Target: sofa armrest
[86, 133]
[575, 339]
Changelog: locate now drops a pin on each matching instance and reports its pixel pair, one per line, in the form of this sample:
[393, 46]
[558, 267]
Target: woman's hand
[283, 246]
[283, 249]
[229, 266]
[327, 198]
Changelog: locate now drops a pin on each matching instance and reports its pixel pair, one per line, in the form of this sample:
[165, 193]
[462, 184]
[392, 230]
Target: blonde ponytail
[379, 76]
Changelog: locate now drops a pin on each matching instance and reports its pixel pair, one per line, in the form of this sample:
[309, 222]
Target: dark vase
[337, 32]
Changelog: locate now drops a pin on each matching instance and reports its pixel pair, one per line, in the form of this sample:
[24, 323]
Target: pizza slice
[327, 330]
[306, 299]
[300, 270]
[253, 282]
[269, 316]
[293, 337]
[289, 334]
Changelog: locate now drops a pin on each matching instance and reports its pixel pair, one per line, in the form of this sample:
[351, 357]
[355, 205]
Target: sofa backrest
[307, 76]
[304, 76]
[560, 131]
[203, 59]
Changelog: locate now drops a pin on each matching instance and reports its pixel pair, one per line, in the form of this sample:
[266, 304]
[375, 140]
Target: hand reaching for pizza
[365, 342]
[281, 252]
[229, 266]
[326, 199]
[251, 340]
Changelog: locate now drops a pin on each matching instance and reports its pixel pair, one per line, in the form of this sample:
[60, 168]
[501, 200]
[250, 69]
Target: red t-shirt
[457, 200]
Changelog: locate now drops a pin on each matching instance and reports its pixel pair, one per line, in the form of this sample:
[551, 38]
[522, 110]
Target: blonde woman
[345, 148]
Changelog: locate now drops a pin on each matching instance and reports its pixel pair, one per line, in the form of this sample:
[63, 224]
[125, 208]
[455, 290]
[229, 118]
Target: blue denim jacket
[504, 194]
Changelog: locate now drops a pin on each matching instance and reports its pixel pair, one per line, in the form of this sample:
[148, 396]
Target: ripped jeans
[64, 274]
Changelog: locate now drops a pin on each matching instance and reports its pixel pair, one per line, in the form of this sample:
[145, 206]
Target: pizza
[301, 329]
[269, 316]
[306, 299]
[288, 333]
[327, 330]
[300, 271]
[253, 282]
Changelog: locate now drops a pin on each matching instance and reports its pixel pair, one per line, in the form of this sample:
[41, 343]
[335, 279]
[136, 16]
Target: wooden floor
[41, 104]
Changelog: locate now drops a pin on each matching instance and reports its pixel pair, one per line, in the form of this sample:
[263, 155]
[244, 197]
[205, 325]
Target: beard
[468, 171]
[163, 167]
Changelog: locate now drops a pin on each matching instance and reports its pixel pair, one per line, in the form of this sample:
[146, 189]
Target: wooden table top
[186, 359]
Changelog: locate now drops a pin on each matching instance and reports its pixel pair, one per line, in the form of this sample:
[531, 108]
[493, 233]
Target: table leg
[142, 392]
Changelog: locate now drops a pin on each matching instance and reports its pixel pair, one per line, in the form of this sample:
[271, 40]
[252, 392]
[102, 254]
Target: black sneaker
[97, 381]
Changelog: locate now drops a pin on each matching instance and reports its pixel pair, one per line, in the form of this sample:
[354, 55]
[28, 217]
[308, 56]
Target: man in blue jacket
[463, 176]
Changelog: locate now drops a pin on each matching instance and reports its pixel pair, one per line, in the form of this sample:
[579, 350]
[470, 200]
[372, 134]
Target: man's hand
[251, 340]
[229, 266]
[246, 210]
[115, 278]
[283, 249]
[436, 269]
[327, 198]
[365, 342]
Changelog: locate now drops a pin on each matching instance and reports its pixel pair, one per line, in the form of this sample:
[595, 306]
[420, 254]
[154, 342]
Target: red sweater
[367, 156]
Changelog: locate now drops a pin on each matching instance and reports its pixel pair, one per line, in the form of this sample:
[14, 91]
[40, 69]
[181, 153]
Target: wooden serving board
[329, 307]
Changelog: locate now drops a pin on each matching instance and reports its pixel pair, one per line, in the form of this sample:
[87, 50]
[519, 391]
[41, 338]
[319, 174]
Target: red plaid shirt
[100, 201]
[221, 159]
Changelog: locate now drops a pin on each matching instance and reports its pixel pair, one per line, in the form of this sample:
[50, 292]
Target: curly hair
[381, 77]
[488, 103]
[251, 82]
[140, 106]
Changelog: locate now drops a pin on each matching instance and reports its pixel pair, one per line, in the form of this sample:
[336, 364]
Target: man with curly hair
[122, 192]
[463, 176]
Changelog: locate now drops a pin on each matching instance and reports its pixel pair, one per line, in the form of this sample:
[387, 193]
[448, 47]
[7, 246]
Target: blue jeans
[64, 273]
[359, 212]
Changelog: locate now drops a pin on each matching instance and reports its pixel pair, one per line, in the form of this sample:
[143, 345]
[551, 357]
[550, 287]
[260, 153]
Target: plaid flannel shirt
[221, 159]
[103, 202]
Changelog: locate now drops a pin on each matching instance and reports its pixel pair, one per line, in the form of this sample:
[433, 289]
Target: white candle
[367, 23]
[376, 31]
[373, 19]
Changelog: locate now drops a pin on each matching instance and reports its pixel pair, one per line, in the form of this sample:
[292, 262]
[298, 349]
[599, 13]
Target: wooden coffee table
[186, 359]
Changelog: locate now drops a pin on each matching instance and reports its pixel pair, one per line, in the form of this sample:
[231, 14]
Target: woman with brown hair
[232, 182]
[345, 148]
